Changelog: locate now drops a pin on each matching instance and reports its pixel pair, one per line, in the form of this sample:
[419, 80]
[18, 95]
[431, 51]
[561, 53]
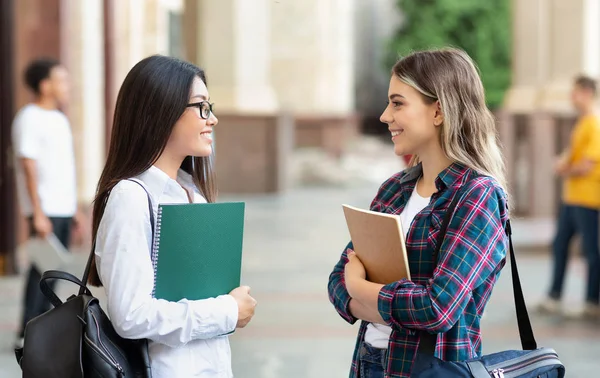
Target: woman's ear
[438, 117]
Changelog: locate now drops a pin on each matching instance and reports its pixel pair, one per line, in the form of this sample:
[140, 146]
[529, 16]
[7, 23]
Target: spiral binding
[155, 247]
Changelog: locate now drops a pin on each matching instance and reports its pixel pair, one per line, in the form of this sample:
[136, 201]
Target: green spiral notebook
[197, 250]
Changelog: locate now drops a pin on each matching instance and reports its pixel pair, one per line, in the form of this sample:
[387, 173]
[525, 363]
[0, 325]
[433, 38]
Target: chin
[399, 151]
[203, 152]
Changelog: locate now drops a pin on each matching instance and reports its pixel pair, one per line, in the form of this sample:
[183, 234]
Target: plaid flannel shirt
[450, 300]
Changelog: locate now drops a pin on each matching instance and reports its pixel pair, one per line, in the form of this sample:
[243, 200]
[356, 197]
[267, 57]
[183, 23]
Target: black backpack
[76, 338]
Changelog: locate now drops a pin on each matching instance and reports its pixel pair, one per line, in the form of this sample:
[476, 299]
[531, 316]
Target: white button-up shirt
[184, 337]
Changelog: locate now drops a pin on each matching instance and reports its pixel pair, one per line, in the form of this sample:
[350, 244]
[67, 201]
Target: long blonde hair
[468, 133]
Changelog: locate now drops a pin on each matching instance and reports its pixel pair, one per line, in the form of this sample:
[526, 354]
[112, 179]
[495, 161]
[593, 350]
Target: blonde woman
[436, 112]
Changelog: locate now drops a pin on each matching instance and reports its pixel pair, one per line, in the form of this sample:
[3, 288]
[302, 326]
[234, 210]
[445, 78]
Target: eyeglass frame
[199, 106]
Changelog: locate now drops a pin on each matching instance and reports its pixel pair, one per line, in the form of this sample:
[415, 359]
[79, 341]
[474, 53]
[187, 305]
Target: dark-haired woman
[162, 138]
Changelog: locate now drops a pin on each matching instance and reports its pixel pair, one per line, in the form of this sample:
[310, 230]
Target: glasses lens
[205, 110]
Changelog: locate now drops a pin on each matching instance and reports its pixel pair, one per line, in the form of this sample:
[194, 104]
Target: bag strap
[88, 265]
[428, 341]
[58, 275]
[525, 330]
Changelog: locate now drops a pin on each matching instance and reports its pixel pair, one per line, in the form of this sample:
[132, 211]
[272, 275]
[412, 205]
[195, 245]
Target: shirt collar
[158, 182]
[447, 178]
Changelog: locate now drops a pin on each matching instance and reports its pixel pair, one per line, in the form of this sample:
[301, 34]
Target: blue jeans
[583, 221]
[372, 361]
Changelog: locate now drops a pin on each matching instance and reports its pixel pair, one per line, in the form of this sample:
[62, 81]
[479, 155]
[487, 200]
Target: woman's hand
[354, 272]
[246, 305]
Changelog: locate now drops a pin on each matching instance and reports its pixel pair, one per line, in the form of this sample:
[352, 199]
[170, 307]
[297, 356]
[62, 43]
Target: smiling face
[192, 135]
[412, 119]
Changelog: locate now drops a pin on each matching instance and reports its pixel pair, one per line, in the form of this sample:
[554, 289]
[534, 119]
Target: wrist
[232, 311]
[353, 308]
[351, 284]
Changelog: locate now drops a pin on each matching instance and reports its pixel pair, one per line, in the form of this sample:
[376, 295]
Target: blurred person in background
[45, 169]
[579, 167]
[437, 113]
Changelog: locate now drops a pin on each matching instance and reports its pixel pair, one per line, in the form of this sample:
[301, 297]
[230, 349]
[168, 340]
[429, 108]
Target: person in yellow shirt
[579, 166]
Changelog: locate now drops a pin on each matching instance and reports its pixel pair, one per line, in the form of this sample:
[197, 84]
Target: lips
[206, 135]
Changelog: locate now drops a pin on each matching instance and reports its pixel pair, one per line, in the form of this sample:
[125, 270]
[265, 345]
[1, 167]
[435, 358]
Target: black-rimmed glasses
[204, 107]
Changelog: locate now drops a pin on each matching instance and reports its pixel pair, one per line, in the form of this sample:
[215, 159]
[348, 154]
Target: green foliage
[480, 27]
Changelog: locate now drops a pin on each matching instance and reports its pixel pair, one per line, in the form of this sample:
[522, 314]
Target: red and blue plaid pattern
[471, 257]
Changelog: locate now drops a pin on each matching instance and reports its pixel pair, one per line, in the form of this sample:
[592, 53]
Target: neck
[47, 103]
[433, 163]
[587, 110]
[169, 164]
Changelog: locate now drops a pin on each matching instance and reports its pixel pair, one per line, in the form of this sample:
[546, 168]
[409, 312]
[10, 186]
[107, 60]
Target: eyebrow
[394, 95]
[201, 96]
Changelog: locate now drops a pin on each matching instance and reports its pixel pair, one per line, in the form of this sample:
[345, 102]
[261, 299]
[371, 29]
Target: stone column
[313, 69]
[83, 55]
[231, 40]
[233, 46]
[139, 29]
[129, 31]
[312, 57]
[531, 29]
[574, 37]
[542, 188]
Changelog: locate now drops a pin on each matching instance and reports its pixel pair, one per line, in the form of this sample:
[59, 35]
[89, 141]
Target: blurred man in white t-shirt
[46, 187]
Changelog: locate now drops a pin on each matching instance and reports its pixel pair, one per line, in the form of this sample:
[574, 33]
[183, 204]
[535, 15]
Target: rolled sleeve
[338, 294]
[213, 319]
[385, 302]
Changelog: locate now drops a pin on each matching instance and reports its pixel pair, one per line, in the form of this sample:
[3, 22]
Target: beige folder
[378, 241]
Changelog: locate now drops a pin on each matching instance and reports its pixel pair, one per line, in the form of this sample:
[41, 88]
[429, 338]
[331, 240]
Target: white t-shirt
[378, 335]
[45, 136]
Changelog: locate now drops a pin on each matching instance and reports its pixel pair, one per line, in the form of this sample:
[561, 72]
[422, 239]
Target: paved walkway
[292, 242]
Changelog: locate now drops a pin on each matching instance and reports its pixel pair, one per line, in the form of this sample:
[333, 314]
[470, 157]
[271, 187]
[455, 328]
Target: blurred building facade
[280, 72]
[284, 75]
[553, 42]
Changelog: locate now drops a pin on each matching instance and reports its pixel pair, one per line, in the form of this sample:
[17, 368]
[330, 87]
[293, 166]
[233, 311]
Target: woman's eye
[396, 104]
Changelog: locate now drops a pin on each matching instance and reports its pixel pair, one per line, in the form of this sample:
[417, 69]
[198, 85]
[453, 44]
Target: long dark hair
[152, 98]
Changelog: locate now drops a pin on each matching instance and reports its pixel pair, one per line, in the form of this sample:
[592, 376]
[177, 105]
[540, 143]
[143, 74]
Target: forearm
[363, 312]
[30, 170]
[394, 304]
[338, 294]
[409, 305]
[580, 169]
[365, 294]
[339, 297]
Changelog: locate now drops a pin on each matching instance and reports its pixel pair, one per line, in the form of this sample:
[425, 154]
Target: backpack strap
[88, 265]
[428, 341]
